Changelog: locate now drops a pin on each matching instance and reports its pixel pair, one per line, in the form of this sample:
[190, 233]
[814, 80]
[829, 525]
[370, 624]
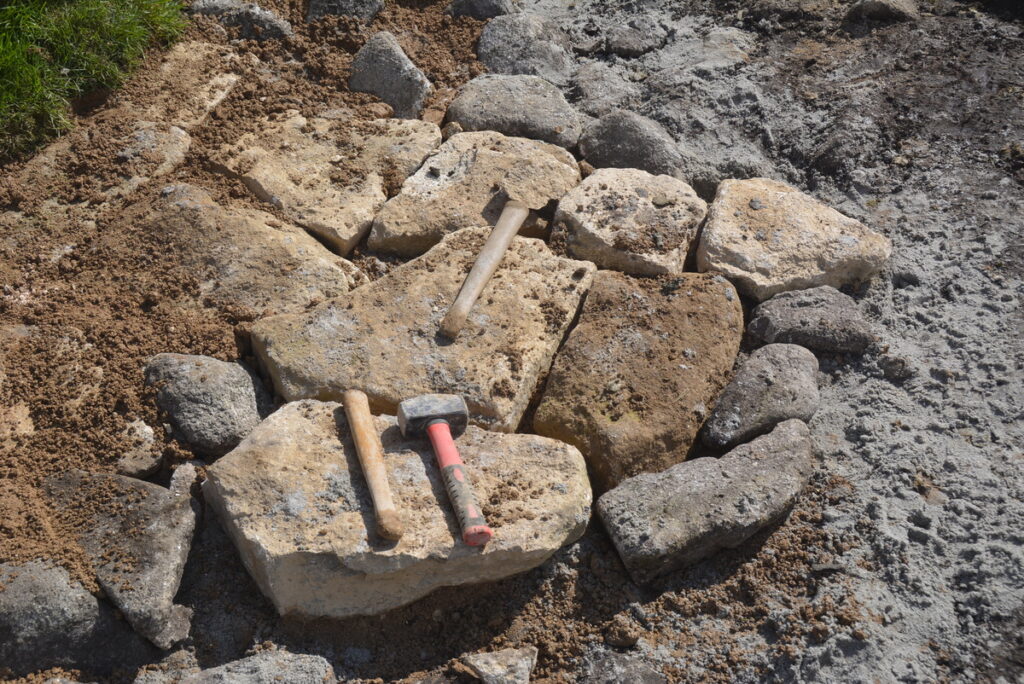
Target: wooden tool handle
[512, 217]
[371, 458]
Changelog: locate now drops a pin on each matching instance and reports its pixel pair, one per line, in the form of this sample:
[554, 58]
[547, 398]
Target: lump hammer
[439, 415]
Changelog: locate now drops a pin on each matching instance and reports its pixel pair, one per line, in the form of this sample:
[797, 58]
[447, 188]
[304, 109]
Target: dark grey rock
[253, 20]
[49, 620]
[361, 9]
[635, 37]
[137, 535]
[382, 69]
[483, 9]
[661, 522]
[508, 666]
[622, 139]
[820, 318]
[524, 43]
[776, 383]
[268, 667]
[610, 667]
[600, 87]
[524, 106]
[884, 10]
[212, 404]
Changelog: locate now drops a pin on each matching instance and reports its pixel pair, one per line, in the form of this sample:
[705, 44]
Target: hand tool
[371, 458]
[511, 219]
[439, 415]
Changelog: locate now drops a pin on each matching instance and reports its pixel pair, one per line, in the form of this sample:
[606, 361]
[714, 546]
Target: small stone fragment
[663, 522]
[617, 668]
[361, 9]
[212, 404]
[635, 379]
[137, 535]
[525, 106]
[635, 37]
[268, 667]
[293, 499]
[884, 10]
[821, 318]
[254, 21]
[792, 243]
[483, 9]
[776, 383]
[631, 221]
[622, 139]
[524, 43]
[466, 183]
[508, 666]
[622, 632]
[141, 460]
[381, 68]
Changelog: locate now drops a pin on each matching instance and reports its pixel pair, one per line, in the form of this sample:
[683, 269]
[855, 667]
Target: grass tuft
[54, 51]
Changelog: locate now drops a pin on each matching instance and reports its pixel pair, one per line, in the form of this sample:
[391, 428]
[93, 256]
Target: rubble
[382, 69]
[508, 666]
[361, 9]
[253, 21]
[623, 139]
[820, 318]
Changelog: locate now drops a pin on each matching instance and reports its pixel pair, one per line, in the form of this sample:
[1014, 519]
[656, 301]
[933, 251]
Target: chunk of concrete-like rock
[508, 666]
[611, 667]
[525, 106]
[884, 10]
[212, 404]
[246, 258]
[141, 460]
[361, 9]
[293, 498]
[466, 183]
[137, 535]
[253, 21]
[381, 68]
[622, 139]
[640, 371]
[49, 620]
[630, 220]
[776, 383]
[524, 43]
[267, 667]
[821, 318]
[293, 164]
[666, 521]
[384, 338]
[635, 37]
[768, 237]
[482, 9]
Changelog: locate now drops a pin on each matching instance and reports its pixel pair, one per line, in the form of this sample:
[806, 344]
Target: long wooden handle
[511, 219]
[371, 458]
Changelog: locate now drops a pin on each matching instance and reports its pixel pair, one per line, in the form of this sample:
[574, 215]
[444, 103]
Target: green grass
[54, 51]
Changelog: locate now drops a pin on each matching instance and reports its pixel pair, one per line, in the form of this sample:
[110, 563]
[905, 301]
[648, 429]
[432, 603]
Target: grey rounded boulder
[622, 139]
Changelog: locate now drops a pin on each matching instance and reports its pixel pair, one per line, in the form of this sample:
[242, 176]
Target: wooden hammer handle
[371, 458]
[512, 217]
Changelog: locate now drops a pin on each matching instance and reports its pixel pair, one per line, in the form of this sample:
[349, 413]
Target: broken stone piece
[508, 666]
[662, 522]
[253, 21]
[329, 175]
[526, 106]
[524, 43]
[293, 499]
[624, 140]
[884, 10]
[776, 383]
[631, 221]
[212, 404]
[639, 373]
[466, 183]
[361, 9]
[267, 667]
[821, 318]
[140, 460]
[384, 338]
[137, 535]
[381, 68]
[768, 237]
[482, 9]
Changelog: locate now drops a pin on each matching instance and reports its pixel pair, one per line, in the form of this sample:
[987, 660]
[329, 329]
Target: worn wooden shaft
[371, 458]
[512, 217]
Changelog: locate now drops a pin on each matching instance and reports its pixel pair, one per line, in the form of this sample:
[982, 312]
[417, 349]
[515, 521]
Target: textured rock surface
[508, 666]
[293, 499]
[247, 258]
[466, 183]
[884, 10]
[253, 21]
[768, 237]
[524, 43]
[775, 383]
[525, 106]
[615, 668]
[640, 371]
[483, 9]
[665, 521]
[622, 139]
[382, 68]
[137, 536]
[362, 9]
[384, 340]
[47, 620]
[141, 460]
[292, 163]
[192, 80]
[632, 221]
[821, 318]
[212, 404]
[268, 667]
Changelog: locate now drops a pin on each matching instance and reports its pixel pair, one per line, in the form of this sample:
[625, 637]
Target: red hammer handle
[475, 531]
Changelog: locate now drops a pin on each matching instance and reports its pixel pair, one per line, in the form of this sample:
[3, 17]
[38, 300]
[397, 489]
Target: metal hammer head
[415, 414]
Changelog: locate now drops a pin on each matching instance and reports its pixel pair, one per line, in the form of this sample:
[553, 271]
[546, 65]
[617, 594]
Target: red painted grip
[475, 531]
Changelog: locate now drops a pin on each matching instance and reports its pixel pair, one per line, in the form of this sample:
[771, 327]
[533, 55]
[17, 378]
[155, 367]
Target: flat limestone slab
[768, 237]
[328, 174]
[293, 499]
[383, 338]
